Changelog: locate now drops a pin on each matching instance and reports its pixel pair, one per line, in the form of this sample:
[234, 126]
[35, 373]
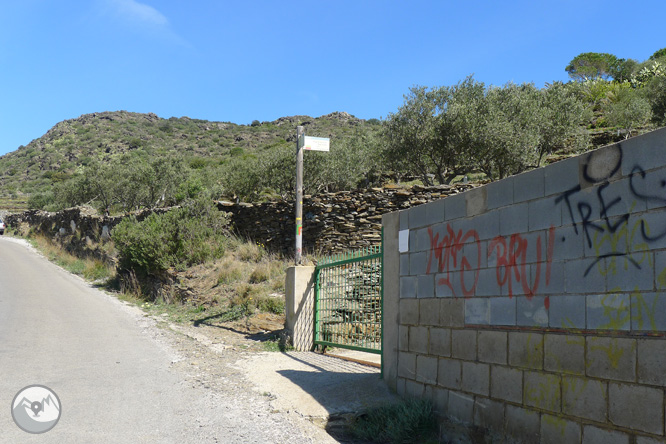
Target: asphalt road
[115, 378]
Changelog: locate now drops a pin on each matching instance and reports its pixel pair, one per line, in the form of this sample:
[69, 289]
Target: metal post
[299, 194]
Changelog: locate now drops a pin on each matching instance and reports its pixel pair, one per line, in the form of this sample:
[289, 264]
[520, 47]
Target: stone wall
[333, 222]
[535, 305]
[79, 229]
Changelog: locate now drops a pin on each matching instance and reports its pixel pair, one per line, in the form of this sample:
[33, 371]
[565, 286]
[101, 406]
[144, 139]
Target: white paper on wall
[403, 241]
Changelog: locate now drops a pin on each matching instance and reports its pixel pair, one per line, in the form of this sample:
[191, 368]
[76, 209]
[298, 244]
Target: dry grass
[89, 268]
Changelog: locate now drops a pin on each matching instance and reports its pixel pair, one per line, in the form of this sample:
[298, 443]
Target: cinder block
[449, 374]
[487, 283]
[648, 311]
[611, 358]
[654, 223]
[595, 435]
[418, 340]
[420, 240]
[564, 354]
[447, 284]
[400, 387]
[403, 338]
[493, 347]
[561, 176]
[404, 219]
[585, 398]
[440, 342]
[619, 198]
[584, 276]
[407, 287]
[543, 214]
[441, 400]
[455, 207]
[499, 194]
[429, 312]
[626, 275]
[475, 200]
[461, 407]
[514, 219]
[487, 225]
[553, 285]
[426, 286]
[526, 350]
[556, 430]
[414, 389]
[407, 365]
[609, 311]
[476, 378]
[409, 311]
[426, 369]
[489, 414]
[646, 151]
[463, 344]
[522, 424]
[417, 217]
[418, 263]
[452, 313]
[531, 312]
[637, 407]
[660, 269]
[477, 311]
[652, 361]
[404, 264]
[503, 310]
[567, 311]
[543, 391]
[601, 165]
[435, 211]
[569, 242]
[506, 384]
[645, 183]
[529, 185]
[646, 440]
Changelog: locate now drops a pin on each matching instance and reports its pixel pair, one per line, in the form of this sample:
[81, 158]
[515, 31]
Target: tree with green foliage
[655, 91]
[592, 65]
[628, 109]
[425, 135]
[658, 54]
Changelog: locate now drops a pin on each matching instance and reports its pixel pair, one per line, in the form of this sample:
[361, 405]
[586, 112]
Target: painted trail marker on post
[310, 144]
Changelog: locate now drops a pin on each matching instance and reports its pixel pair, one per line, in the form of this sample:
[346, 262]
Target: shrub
[182, 237]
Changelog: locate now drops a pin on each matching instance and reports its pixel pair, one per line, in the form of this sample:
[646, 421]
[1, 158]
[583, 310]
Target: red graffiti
[512, 261]
[448, 251]
[511, 265]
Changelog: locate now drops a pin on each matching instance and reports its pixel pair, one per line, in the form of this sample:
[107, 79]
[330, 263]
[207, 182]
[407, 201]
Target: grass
[89, 268]
[409, 421]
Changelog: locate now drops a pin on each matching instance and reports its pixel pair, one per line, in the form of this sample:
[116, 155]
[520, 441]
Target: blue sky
[239, 61]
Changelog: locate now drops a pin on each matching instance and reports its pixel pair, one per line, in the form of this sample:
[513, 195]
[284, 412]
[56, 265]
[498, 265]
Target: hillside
[73, 144]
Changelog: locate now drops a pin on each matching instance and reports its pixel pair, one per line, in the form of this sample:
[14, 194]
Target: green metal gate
[348, 301]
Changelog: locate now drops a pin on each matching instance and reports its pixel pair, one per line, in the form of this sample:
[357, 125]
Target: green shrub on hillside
[182, 237]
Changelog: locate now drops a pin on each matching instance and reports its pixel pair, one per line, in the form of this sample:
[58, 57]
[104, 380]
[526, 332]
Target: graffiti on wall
[607, 213]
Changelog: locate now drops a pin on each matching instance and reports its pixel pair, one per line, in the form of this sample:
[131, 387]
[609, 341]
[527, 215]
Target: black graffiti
[585, 222]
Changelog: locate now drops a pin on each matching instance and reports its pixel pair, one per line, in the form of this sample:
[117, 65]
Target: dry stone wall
[536, 305]
[333, 222]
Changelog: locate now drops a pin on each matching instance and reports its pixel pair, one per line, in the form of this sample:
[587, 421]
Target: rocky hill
[72, 144]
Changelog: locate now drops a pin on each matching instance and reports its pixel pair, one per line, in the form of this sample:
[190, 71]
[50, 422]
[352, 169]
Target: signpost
[304, 142]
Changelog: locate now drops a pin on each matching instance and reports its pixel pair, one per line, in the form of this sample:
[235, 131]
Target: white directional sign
[316, 143]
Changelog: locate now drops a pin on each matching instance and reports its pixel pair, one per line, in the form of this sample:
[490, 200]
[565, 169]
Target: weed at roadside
[409, 421]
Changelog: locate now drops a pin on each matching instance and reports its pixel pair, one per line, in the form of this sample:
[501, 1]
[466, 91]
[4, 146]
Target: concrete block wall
[535, 305]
